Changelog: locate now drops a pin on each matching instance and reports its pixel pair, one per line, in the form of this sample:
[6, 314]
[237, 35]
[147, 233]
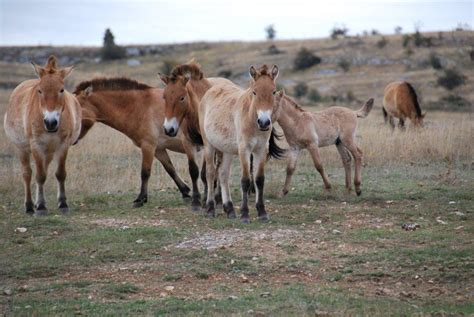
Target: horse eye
[182, 99]
[274, 92]
[39, 91]
[62, 90]
[254, 93]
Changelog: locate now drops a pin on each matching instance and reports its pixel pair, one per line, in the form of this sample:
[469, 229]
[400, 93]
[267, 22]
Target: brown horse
[234, 121]
[400, 101]
[311, 130]
[185, 87]
[136, 110]
[43, 119]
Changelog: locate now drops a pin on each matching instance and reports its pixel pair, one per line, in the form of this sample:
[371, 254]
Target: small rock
[459, 228]
[21, 229]
[452, 202]
[232, 261]
[139, 241]
[458, 213]
[169, 288]
[243, 278]
[265, 294]
[163, 294]
[318, 221]
[125, 227]
[335, 231]
[162, 211]
[410, 226]
[7, 292]
[438, 220]
[254, 258]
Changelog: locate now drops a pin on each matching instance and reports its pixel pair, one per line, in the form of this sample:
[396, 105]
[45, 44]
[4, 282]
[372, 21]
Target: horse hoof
[196, 208]
[210, 214]
[358, 192]
[30, 209]
[264, 218]
[245, 220]
[137, 204]
[231, 215]
[283, 193]
[41, 212]
[187, 199]
[64, 210]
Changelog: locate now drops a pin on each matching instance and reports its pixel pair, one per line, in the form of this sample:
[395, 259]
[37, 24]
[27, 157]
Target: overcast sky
[82, 22]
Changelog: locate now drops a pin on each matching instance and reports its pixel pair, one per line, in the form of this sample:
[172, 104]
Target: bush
[300, 90]
[406, 40]
[167, 66]
[382, 42]
[337, 32]
[226, 73]
[314, 95]
[434, 61]
[305, 59]
[273, 50]
[344, 64]
[111, 51]
[451, 79]
[451, 102]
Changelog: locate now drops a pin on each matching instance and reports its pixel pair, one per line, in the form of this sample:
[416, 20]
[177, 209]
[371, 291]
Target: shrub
[451, 79]
[406, 40]
[300, 90]
[382, 42]
[111, 51]
[314, 95]
[374, 32]
[226, 73]
[273, 50]
[337, 32]
[167, 66]
[344, 64]
[434, 61]
[305, 59]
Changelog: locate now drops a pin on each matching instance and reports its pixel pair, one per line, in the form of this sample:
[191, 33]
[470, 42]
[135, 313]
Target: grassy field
[322, 253]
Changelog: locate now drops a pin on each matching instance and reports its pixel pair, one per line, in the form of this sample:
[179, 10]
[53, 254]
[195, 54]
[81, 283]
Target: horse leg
[147, 162]
[252, 181]
[290, 169]
[26, 169]
[314, 151]
[41, 162]
[209, 153]
[162, 156]
[61, 178]
[385, 115]
[401, 123]
[218, 194]
[392, 122]
[244, 157]
[357, 154]
[346, 162]
[224, 173]
[194, 173]
[203, 176]
[260, 159]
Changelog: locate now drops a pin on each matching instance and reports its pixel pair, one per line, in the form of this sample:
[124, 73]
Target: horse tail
[364, 111]
[273, 149]
[414, 98]
[385, 115]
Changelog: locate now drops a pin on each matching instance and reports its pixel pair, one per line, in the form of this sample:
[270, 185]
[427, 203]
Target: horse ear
[39, 71]
[66, 71]
[164, 78]
[274, 72]
[253, 72]
[186, 77]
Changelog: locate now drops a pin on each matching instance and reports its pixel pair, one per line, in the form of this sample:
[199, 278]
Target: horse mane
[192, 68]
[293, 103]
[116, 83]
[414, 98]
[263, 70]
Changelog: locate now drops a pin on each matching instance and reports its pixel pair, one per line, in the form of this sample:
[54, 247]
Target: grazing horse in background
[185, 87]
[234, 121]
[136, 110]
[400, 101]
[43, 119]
[311, 130]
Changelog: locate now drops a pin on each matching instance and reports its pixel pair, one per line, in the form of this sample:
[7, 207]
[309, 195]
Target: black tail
[385, 115]
[414, 98]
[274, 150]
[195, 136]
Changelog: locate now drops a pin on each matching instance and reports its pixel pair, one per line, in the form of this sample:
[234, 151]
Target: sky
[83, 22]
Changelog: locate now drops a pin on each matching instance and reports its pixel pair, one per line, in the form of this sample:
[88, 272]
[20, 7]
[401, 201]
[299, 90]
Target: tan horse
[43, 119]
[185, 87]
[400, 101]
[234, 121]
[136, 110]
[312, 130]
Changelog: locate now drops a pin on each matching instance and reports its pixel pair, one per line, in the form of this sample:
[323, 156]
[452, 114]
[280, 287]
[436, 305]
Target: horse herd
[191, 114]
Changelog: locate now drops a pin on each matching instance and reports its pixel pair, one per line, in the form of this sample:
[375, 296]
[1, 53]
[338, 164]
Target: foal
[400, 101]
[43, 119]
[234, 121]
[311, 130]
[136, 110]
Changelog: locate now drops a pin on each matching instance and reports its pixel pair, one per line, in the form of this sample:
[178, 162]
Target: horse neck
[289, 114]
[106, 111]
[196, 90]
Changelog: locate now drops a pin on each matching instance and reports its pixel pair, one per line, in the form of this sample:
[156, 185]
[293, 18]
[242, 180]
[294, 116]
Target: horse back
[399, 99]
